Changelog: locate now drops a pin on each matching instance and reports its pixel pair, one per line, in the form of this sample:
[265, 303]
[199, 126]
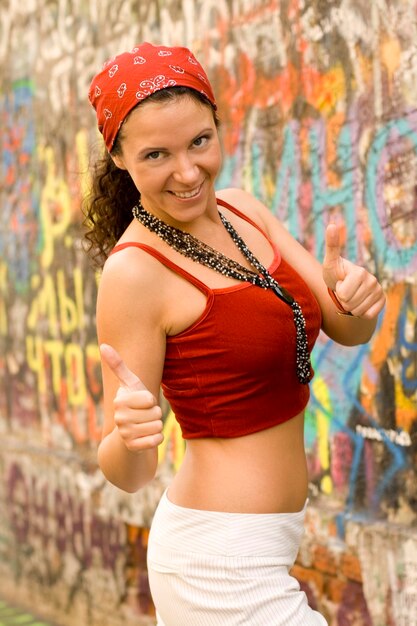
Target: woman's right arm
[132, 339]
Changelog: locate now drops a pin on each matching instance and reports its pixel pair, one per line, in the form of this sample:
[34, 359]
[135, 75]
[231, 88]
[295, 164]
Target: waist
[265, 472]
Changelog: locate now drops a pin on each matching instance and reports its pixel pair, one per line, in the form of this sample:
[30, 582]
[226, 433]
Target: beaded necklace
[202, 253]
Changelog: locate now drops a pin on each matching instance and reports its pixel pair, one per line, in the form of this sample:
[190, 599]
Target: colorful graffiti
[317, 101]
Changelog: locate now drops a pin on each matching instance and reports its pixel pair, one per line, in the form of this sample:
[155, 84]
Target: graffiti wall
[318, 102]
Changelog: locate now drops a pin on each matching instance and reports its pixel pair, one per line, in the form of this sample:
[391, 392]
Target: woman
[186, 302]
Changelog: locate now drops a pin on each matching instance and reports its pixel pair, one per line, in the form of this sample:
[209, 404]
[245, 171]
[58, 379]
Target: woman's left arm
[356, 289]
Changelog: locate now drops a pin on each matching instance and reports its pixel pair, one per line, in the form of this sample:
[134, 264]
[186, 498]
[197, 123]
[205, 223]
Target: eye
[201, 141]
[153, 156]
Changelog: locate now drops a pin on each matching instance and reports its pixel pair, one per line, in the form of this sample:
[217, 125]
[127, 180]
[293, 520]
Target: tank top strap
[165, 261]
[244, 217]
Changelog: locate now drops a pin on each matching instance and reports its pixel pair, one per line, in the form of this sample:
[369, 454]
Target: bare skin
[264, 472]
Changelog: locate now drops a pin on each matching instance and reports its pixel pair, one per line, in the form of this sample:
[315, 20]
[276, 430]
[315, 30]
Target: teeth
[186, 194]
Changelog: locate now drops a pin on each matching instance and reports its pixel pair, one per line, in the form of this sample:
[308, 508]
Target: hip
[209, 568]
[178, 530]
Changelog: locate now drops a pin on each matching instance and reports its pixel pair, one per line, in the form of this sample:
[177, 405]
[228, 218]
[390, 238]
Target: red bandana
[132, 76]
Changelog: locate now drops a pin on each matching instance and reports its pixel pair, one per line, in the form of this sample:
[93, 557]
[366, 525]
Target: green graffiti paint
[11, 615]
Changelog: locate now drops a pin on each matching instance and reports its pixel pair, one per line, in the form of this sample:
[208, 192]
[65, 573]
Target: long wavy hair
[107, 208]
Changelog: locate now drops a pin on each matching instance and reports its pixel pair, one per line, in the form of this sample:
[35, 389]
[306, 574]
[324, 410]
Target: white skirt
[208, 568]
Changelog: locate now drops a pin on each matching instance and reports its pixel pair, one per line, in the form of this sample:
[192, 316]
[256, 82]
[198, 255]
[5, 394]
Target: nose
[186, 170]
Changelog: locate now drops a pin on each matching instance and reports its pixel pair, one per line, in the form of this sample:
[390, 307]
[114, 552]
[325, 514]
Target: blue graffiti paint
[402, 325]
[256, 159]
[409, 384]
[325, 196]
[19, 205]
[336, 423]
[357, 442]
[398, 458]
[407, 362]
[285, 201]
[333, 362]
[226, 177]
[349, 196]
[387, 249]
[350, 376]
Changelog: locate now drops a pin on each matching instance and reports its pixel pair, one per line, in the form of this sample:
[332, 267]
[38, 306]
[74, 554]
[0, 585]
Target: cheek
[216, 159]
[148, 178]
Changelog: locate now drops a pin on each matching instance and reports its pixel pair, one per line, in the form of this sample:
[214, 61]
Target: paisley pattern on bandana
[154, 84]
[130, 77]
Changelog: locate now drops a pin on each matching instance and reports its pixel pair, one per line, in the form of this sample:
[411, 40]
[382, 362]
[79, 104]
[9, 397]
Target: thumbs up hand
[356, 289]
[137, 414]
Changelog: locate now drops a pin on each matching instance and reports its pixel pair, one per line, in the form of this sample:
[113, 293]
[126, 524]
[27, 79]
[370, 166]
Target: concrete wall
[318, 102]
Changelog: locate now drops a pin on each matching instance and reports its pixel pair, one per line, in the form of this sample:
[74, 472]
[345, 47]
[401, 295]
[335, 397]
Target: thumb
[126, 377]
[333, 261]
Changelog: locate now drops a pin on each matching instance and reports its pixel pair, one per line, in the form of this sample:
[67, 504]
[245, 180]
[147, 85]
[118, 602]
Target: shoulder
[253, 208]
[242, 200]
[131, 282]
[130, 266]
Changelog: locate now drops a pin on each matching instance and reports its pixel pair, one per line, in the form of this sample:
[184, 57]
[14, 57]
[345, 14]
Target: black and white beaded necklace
[202, 253]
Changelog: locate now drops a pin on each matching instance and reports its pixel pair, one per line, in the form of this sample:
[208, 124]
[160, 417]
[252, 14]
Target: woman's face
[171, 150]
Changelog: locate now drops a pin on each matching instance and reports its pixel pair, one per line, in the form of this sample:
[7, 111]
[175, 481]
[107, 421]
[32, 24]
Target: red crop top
[233, 371]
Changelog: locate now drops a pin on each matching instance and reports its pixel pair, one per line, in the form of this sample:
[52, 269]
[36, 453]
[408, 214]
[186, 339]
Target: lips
[185, 195]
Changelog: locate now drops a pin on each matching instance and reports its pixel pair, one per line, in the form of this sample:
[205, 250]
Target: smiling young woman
[172, 153]
[206, 295]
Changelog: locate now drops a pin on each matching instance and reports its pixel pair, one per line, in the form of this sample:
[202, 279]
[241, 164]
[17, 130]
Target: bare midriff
[264, 472]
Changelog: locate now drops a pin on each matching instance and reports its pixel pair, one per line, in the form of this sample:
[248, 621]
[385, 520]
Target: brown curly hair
[108, 207]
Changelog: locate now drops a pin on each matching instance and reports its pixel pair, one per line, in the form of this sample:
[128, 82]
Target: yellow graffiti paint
[3, 294]
[93, 366]
[322, 394]
[173, 439]
[59, 366]
[97, 276]
[390, 55]
[34, 358]
[81, 146]
[75, 375]
[328, 90]
[44, 305]
[64, 313]
[71, 310]
[405, 412]
[55, 206]
[54, 349]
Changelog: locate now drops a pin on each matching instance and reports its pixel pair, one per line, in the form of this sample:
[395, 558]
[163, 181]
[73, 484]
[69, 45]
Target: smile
[187, 194]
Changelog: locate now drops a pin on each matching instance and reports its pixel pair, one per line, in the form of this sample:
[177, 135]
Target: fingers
[126, 377]
[135, 399]
[360, 293]
[131, 428]
[332, 243]
[139, 444]
[351, 290]
[333, 263]
[141, 436]
[140, 428]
